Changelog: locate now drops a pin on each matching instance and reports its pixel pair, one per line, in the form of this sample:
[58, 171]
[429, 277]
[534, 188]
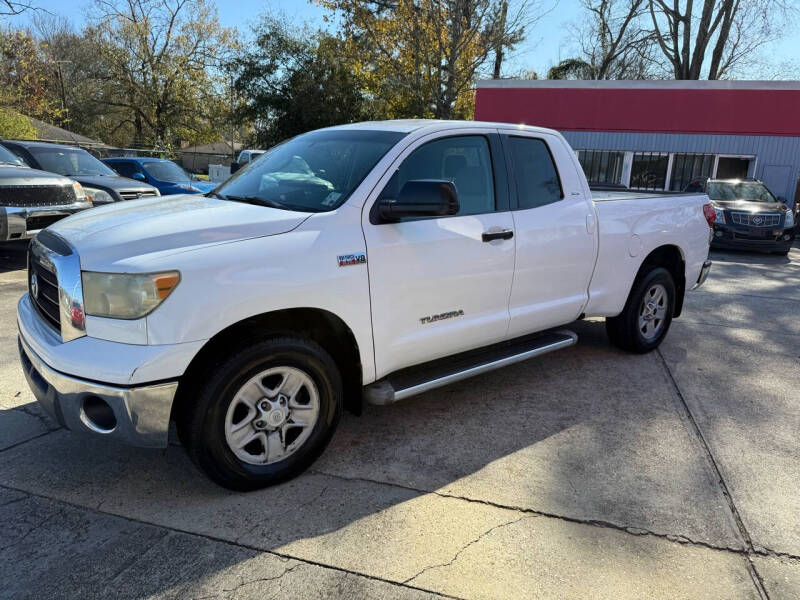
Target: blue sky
[545, 45]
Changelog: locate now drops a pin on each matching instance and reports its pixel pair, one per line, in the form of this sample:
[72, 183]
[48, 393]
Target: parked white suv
[371, 261]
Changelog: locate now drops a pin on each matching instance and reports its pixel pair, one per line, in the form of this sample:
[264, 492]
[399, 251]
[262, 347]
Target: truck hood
[123, 235]
[114, 182]
[13, 175]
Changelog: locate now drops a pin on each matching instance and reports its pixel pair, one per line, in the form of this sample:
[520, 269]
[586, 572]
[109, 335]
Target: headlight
[98, 196]
[126, 295]
[788, 220]
[80, 193]
[720, 218]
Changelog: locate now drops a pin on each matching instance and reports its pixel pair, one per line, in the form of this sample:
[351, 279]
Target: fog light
[717, 233]
[97, 415]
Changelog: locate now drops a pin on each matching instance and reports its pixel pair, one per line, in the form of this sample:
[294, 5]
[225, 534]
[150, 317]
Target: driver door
[439, 286]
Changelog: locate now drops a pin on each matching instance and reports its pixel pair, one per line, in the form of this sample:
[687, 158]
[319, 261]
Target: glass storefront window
[649, 171]
[602, 166]
[689, 167]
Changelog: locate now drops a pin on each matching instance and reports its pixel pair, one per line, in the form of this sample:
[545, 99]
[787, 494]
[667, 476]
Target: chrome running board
[422, 378]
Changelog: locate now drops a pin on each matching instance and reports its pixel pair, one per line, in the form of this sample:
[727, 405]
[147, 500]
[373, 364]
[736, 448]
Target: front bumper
[747, 238]
[23, 222]
[134, 415]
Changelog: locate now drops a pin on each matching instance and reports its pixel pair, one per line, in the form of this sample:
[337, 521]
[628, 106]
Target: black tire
[201, 424]
[623, 330]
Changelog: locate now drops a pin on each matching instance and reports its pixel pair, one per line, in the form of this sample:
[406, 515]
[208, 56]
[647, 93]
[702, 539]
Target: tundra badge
[441, 316]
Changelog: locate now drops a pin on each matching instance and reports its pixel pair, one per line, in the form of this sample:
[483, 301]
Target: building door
[778, 178]
[730, 167]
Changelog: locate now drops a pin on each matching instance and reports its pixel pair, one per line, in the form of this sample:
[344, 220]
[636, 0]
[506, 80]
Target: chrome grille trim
[749, 219]
[59, 300]
[137, 194]
[46, 300]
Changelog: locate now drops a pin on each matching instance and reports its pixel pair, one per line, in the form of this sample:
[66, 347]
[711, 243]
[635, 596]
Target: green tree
[15, 126]
[158, 66]
[420, 58]
[294, 81]
[25, 78]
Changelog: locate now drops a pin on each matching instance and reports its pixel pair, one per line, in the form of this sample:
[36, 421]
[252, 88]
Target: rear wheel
[265, 414]
[646, 318]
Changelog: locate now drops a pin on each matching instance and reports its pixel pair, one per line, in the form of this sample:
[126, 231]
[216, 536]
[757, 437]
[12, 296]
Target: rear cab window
[534, 173]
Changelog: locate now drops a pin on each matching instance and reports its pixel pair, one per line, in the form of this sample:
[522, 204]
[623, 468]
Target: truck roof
[409, 125]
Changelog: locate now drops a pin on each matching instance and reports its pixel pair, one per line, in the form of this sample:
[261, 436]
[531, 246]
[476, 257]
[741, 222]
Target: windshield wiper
[252, 200]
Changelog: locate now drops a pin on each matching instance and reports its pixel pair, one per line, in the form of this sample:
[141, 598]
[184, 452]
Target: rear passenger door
[555, 232]
[439, 286]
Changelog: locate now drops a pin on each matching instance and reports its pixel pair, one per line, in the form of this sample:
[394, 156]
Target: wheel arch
[671, 258]
[322, 326]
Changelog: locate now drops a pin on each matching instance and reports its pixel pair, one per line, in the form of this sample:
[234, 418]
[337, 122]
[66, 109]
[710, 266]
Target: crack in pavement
[37, 415]
[30, 439]
[22, 538]
[244, 583]
[637, 531]
[723, 486]
[228, 542]
[471, 543]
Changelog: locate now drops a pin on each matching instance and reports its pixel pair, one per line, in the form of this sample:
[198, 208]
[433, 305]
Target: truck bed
[610, 195]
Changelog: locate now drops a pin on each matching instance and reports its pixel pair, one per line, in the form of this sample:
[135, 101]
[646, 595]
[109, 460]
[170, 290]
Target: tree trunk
[501, 39]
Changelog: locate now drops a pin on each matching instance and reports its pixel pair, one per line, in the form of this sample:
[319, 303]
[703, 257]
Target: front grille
[37, 195]
[135, 195]
[756, 220]
[46, 297]
[36, 223]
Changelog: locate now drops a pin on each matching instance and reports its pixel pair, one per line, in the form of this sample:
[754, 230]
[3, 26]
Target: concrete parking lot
[587, 473]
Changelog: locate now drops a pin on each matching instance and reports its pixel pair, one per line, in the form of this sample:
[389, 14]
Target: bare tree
[614, 42]
[10, 8]
[722, 33]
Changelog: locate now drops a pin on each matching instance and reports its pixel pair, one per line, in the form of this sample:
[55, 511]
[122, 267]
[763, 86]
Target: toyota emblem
[35, 285]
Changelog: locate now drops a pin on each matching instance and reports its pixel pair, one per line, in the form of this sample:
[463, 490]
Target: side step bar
[422, 378]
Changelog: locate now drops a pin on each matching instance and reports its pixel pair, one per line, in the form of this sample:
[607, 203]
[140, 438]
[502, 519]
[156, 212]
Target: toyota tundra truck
[360, 263]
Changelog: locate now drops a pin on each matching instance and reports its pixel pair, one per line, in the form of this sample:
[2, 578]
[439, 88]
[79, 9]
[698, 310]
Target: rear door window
[534, 171]
[125, 169]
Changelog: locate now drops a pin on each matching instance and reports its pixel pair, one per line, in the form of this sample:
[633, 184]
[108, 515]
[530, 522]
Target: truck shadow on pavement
[589, 434]
[13, 256]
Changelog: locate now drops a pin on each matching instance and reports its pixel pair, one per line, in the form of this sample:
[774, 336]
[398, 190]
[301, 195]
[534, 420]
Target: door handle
[502, 234]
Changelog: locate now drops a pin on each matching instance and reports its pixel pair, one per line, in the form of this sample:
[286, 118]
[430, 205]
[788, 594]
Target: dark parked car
[102, 184]
[749, 216]
[31, 200]
[167, 176]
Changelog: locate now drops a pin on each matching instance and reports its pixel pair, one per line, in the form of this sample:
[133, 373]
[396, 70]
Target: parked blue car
[167, 176]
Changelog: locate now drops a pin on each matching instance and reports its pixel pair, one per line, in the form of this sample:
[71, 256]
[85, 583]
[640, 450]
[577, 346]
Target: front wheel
[645, 320]
[265, 414]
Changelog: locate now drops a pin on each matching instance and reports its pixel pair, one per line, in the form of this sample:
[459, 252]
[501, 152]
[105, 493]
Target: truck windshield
[69, 162]
[313, 172]
[165, 170]
[729, 191]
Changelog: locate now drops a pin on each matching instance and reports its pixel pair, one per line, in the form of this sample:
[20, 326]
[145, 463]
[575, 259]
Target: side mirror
[420, 198]
[139, 176]
[235, 166]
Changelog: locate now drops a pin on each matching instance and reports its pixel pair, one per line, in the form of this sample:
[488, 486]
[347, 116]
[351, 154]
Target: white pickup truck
[367, 262]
